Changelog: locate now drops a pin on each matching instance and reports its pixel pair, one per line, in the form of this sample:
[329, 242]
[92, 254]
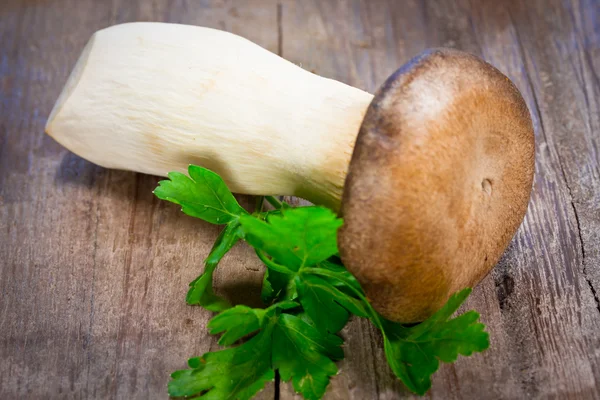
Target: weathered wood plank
[350, 42]
[543, 308]
[537, 303]
[94, 269]
[565, 93]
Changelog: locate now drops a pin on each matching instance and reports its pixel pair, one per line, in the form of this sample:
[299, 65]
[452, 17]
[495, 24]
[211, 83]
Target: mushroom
[432, 174]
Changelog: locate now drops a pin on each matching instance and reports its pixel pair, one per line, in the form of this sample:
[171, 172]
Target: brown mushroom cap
[439, 182]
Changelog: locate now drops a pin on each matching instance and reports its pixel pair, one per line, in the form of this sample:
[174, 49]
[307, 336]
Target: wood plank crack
[560, 165]
[584, 269]
[279, 30]
[89, 337]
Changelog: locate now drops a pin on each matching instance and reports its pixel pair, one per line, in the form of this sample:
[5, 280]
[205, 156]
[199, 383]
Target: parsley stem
[272, 264]
[374, 316]
[274, 202]
[259, 204]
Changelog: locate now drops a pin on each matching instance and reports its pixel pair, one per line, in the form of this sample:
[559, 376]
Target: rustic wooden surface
[94, 269]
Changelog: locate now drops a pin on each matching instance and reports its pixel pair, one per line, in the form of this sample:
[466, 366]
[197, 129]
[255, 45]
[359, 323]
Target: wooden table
[94, 269]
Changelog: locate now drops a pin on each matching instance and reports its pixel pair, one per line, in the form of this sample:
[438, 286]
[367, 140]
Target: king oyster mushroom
[432, 174]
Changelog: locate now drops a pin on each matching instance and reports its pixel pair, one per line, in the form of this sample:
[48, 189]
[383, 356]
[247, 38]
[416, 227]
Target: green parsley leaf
[237, 372]
[413, 353]
[312, 297]
[202, 195]
[277, 287]
[278, 282]
[240, 321]
[201, 291]
[234, 373]
[304, 355]
[236, 322]
[326, 304]
[295, 237]
[225, 241]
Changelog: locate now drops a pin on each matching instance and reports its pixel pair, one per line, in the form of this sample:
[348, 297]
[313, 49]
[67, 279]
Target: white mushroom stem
[154, 98]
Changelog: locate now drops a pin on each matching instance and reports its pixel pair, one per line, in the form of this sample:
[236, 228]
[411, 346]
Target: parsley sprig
[309, 296]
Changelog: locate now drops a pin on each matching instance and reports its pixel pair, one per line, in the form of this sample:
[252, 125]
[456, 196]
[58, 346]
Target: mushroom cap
[438, 184]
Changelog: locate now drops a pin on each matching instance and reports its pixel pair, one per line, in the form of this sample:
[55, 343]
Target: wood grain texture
[94, 270]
